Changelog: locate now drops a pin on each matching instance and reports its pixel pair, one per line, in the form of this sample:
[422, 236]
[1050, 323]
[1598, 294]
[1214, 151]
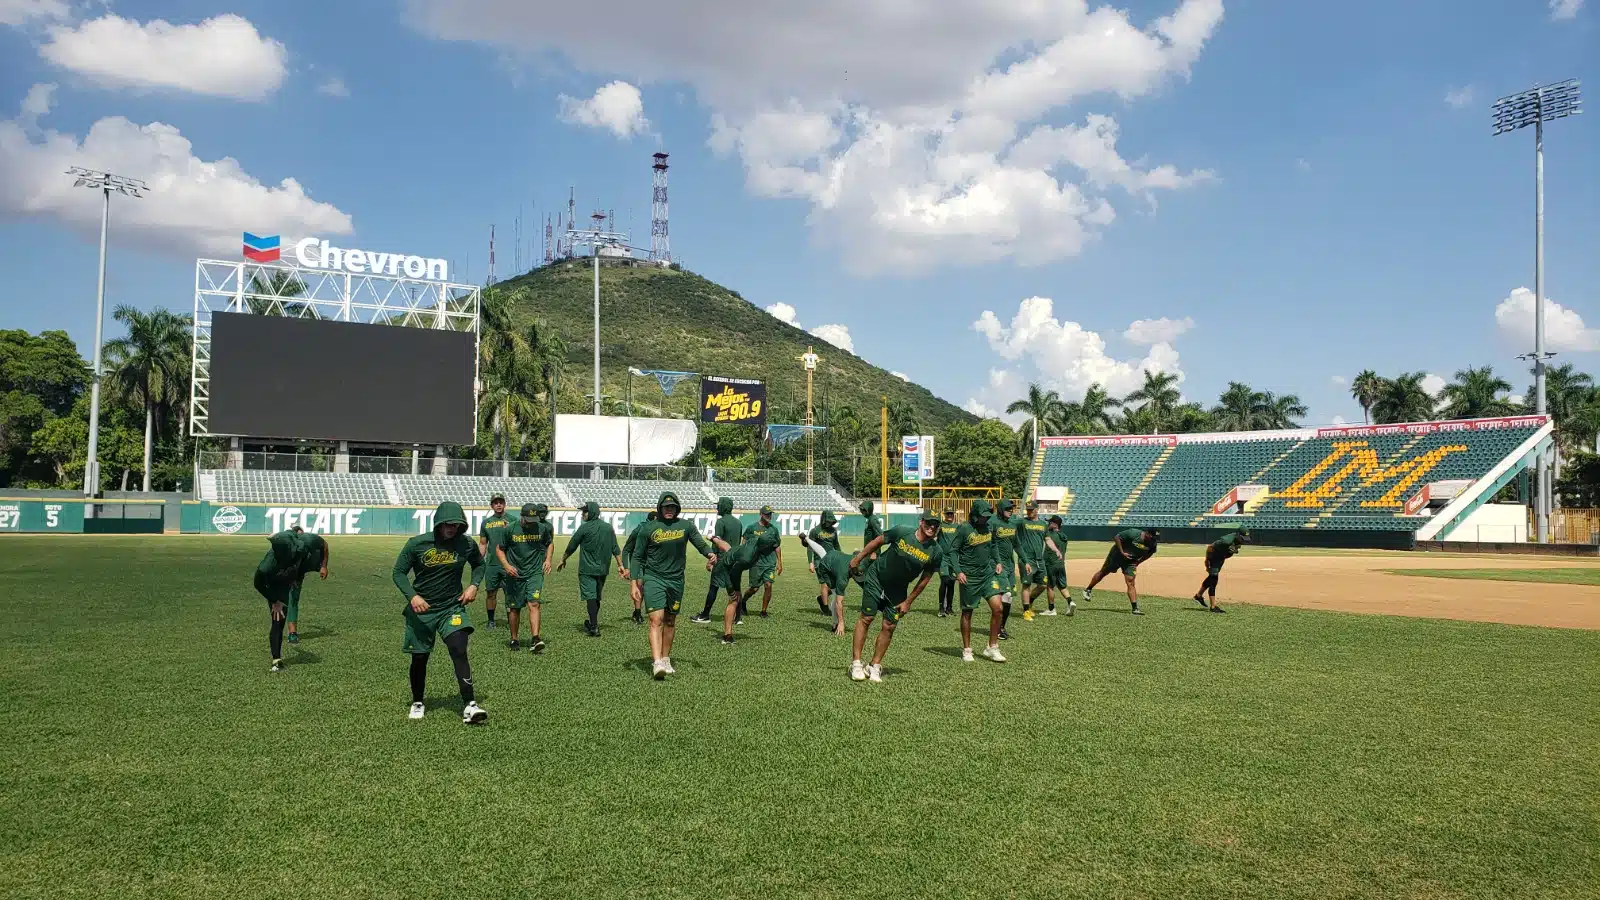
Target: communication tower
[660, 246]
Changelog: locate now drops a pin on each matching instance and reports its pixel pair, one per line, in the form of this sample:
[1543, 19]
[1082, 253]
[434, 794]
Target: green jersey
[758, 547]
[1030, 539]
[947, 534]
[729, 529]
[826, 536]
[1226, 546]
[767, 558]
[870, 530]
[490, 532]
[974, 553]
[903, 558]
[1005, 538]
[1133, 540]
[659, 548]
[437, 567]
[597, 541]
[291, 555]
[526, 544]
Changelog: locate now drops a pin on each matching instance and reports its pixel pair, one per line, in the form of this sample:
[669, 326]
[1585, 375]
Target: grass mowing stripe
[1536, 576]
[1268, 753]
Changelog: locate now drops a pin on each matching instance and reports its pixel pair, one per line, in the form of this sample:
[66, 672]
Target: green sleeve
[475, 559]
[698, 540]
[578, 537]
[995, 558]
[812, 558]
[636, 561]
[285, 544]
[402, 572]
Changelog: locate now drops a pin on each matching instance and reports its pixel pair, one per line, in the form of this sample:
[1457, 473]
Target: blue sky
[1299, 190]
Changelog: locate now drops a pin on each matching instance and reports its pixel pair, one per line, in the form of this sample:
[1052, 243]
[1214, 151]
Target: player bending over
[279, 577]
[598, 541]
[826, 534]
[436, 605]
[1218, 553]
[1055, 568]
[1132, 546]
[978, 573]
[657, 573]
[902, 553]
[488, 539]
[728, 529]
[832, 566]
[524, 549]
[745, 557]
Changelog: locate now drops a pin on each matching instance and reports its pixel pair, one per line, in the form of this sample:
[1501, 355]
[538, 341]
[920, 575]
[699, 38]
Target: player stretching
[728, 529]
[832, 566]
[278, 578]
[902, 554]
[826, 534]
[1217, 554]
[947, 571]
[627, 560]
[1005, 526]
[1030, 550]
[657, 573]
[735, 563]
[769, 565]
[1133, 546]
[978, 572]
[524, 550]
[488, 539]
[1055, 568]
[437, 606]
[598, 541]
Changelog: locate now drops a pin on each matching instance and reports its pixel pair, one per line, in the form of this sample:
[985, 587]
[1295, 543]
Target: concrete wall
[1492, 523]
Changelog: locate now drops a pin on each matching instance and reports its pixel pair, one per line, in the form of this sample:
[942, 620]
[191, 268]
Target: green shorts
[524, 591]
[760, 575]
[494, 579]
[977, 591]
[876, 600]
[285, 592]
[1116, 562]
[590, 586]
[723, 578]
[1056, 577]
[439, 622]
[662, 595]
[1036, 577]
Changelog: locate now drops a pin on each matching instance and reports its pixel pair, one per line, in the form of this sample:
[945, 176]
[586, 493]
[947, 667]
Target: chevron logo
[261, 249]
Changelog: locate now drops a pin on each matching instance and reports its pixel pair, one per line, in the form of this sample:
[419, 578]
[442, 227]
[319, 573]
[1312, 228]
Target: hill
[655, 318]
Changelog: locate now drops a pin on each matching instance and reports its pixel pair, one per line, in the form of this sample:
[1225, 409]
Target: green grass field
[1271, 753]
[1537, 576]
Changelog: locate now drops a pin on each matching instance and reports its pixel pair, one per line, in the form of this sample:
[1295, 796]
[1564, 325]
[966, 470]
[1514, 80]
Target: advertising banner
[735, 401]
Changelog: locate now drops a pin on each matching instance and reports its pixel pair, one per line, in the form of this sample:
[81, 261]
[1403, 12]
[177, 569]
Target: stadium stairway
[1132, 498]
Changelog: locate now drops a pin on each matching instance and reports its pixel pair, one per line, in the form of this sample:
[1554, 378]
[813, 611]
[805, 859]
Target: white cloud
[920, 134]
[998, 391]
[837, 335]
[1157, 331]
[617, 107]
[1302, 164]
[1339, 420]
[223, 56]
[1433, 384]
[37, 103]
[1339, 381]
[1564, 329]
[334, 87]
[22, 12]
[1516, 399]
[901, 375]
[783, 312]
[1563, 10]
[1063, 355]
[1459, 98]
[194, 206]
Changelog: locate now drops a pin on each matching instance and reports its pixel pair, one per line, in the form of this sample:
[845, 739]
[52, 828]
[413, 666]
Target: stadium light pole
[106, 183]
[599, 240]
[1536, 106]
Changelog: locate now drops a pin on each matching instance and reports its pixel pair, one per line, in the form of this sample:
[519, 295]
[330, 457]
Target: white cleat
[1071, 607]
[474, 714]
[966, 654]
[875, 674]
[667, 662]
[1049, 612]
[857, 671]
[417, 711]
[658, 669]
[1087, 595]
[994, 654]
[277, 666]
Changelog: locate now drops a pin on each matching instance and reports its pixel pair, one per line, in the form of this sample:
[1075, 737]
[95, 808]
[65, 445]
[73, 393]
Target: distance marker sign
[733, 400]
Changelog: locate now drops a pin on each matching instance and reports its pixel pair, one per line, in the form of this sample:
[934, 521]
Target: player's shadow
[825, 626]
[644, 664]
[451, 703]
[303, 658]
[738, 637]
[944, 651]
[315, 632]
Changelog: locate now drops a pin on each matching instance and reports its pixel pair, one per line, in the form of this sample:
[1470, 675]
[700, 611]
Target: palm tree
[1365, 389]
[1189, 418]
[1240, 408]
[902, 421]
[281, 283]
[1565, 389]
[1282, 412]
[1043, 408]
[1403, 399]
[1583, 422]
[1091, 415]
[1476, 392]
[1158, 397]
[149, 364]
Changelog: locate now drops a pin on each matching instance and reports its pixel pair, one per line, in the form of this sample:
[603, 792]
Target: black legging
[1210, 584]
[456, 643]
[275, 636]
[947, 591]
[711, 600]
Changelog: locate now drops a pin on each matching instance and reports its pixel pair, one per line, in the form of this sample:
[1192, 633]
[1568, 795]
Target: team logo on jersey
[662, 535]
[436, 557]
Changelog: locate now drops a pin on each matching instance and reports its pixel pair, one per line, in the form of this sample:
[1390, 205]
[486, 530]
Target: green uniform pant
[762, 574]
[1035, 578]
[495, 578]
[724, 578]
[977, 591]
[1116, 562]
[524, 591]
[590, 586]
[1056, 576]
[879, 600]
[442, 620]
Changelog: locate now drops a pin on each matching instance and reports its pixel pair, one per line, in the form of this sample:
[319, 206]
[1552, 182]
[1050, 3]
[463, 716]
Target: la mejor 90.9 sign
[733, 400]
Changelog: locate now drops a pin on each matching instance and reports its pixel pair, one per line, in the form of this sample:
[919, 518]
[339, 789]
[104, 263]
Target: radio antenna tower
[660, 246]
[548, 250]
[491, 256]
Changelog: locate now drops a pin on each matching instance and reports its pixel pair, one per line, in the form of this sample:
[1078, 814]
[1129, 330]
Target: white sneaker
[658, 669]
[875, 674]
[417, 711]
[667, 664]
[1049, 612]
[473, 714]
[277, 666]
[1087, 595]
[1071, 607]
[994, 654]
[966, 654]
[857, 671]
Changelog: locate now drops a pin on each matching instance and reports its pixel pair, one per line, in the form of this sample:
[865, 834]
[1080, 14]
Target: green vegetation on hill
[654, 318]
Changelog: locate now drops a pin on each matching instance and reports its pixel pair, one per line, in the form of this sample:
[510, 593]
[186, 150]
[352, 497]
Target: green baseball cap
[1032, 504]
[929, 515]
[530, 510]
[496, 498]
[766, 510]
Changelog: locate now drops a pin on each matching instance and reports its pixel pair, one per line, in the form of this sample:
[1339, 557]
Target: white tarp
[618, 439]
